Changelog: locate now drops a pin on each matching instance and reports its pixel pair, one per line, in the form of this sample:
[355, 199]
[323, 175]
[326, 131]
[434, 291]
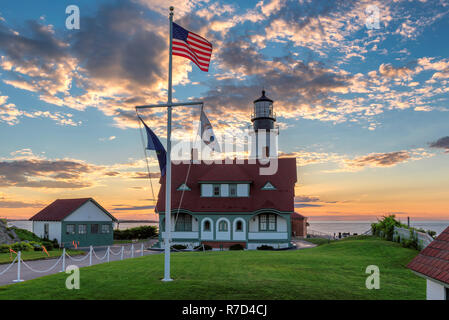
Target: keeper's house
[432, 264]
[75, 221]
[225, 204]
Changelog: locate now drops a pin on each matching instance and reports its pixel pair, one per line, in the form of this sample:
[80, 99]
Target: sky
[360, 90]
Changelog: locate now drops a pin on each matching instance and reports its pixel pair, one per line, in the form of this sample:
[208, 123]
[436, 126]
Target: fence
[402, 233]
[62, 259]
[318, 234]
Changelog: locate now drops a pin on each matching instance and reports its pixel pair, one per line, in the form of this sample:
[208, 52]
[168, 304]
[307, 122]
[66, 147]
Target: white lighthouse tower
[264, 134]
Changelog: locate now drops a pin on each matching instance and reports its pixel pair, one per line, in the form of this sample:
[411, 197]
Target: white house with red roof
[432, 264]
[75, 222]
[229, 203]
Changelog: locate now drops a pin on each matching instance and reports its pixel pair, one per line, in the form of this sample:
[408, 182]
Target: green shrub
[385, 227]
[178, 247]
[143, 232]
[4, 248]
[22, 246]
[200, 247]
[48, 245]
[265, 247]
[236, 246]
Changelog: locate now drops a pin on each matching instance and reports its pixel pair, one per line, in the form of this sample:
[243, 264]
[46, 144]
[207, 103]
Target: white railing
[62, 260]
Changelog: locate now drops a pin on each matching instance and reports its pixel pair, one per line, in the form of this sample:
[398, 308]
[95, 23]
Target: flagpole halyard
[168, 168]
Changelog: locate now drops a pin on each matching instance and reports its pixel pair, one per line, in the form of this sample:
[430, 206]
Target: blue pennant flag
[156, 145]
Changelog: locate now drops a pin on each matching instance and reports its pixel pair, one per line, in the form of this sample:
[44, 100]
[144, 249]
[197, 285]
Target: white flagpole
[168, 162]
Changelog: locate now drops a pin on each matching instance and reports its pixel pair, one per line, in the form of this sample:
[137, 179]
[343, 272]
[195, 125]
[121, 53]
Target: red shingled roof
[296, 215]
[433, 261]
[61, 208]
[281, 199]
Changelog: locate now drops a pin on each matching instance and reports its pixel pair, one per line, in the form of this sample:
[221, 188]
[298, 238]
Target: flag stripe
[191, 46]
[187, 52]
[182, 44]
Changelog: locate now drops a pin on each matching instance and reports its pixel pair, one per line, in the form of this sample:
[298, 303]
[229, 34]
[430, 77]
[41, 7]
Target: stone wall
[7, 236]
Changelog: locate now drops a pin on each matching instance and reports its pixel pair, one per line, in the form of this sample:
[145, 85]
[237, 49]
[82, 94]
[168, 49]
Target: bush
[48, 245]
[265, 247]
[4, 248]
[385, 228]
[236, 246]
[178, 247]
[143, 232]
[200, 247]
[22, 246]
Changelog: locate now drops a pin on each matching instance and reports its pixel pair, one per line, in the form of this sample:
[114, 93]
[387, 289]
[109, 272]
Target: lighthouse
[264, 133]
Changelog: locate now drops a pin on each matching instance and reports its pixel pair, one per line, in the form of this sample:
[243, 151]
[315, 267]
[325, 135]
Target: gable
[89, 211]
[183, 187]
[268, 186]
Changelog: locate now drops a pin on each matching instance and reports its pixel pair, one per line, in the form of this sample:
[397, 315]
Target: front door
[46, 231]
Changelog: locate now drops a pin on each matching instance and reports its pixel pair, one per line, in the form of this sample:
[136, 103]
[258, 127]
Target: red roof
[433, 261]
[281, 199]
[61, 208]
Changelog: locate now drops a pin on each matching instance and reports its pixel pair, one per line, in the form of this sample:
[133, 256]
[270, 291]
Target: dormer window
[225, 189]
[268, 186]
[233, 190]
[217, 190]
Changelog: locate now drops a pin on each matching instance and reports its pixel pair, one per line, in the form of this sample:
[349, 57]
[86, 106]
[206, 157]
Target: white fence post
[132, 250]
[19, 257]
[141, 250]
[121, 256]
[90, 256]
[63, 260]
[108, 252]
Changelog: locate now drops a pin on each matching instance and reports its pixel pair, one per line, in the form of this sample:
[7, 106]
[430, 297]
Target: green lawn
[330, 271]
[5, 258]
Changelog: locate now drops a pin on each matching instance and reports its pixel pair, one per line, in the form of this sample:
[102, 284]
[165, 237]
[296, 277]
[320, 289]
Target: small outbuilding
[432, 264]
[299, 225]
[75, 222]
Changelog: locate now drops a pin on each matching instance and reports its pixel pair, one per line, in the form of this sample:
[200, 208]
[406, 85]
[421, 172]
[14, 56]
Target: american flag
[191, 46]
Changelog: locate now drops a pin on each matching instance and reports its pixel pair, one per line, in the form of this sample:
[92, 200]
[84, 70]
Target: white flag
[207, 133]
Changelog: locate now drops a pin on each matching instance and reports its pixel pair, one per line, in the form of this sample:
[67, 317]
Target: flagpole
[168, 168]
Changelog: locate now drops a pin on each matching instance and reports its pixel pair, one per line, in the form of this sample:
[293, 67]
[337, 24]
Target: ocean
[329, 227]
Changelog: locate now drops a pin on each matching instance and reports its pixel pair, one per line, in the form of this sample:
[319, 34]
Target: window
[206, 190]
[82, 228]
[267, 222]
[70, 229]
[183, 222]
[217, 190]
[223, 226]
[46, 230]
[233, 190]
[447, 293]
[207, 225]
[94, 228]
[239, 226]
[105, 228]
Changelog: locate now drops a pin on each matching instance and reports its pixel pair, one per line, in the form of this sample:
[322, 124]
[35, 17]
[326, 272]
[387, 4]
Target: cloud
[39, 173]
[19, 204]
[442, 143]
[380, 159]
[388, 70]
[306, 199]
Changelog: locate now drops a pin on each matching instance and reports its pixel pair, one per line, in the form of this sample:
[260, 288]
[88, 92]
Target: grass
[5, 258]
[329, 271]
[26, 235]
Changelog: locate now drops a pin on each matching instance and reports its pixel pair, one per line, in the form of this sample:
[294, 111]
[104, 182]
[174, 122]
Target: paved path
[302, 244]
[27, 274]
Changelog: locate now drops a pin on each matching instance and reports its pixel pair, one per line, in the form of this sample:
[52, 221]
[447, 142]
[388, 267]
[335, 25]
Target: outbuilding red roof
[61, 208]
[433, 261]
[281, 199]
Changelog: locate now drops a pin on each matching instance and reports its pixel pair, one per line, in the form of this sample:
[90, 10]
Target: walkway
[303, 244]
[38, 265]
